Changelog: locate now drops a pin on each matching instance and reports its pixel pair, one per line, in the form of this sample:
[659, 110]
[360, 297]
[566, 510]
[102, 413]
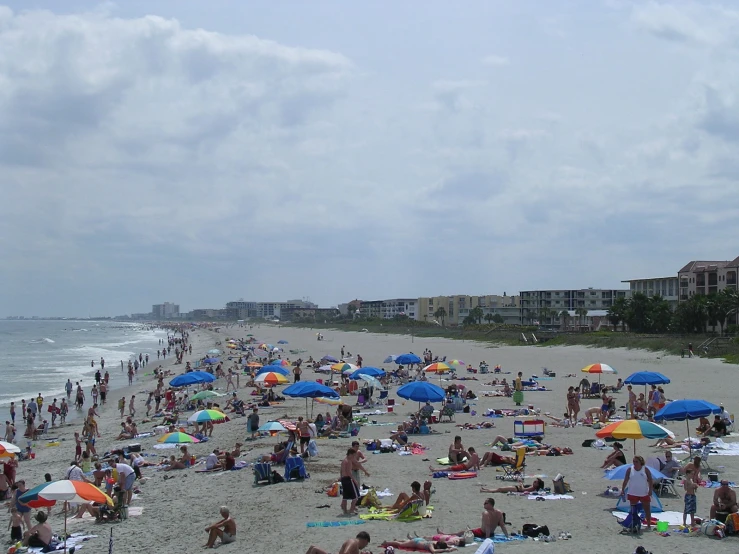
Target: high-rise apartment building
[168, 310]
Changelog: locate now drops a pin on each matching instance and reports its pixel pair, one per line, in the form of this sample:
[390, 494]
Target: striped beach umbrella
[599, 368]
[280, 363]
[8, 449]
[204, 395]
[177, 437]
[634, 429]
[457, 364]
[343, 367]
[271, 378]
[437, 367]
[202, 416]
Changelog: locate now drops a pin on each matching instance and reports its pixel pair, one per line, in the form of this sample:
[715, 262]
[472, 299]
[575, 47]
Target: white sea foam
[45, 339]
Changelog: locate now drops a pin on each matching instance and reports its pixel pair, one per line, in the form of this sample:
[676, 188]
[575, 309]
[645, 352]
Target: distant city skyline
[202, 152]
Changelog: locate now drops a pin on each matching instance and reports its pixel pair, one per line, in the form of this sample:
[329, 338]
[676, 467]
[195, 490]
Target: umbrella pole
[690, 443]
[66, 506]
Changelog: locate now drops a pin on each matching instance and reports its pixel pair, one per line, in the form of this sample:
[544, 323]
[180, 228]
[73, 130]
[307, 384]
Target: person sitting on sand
[491, 520]
[703, 426]
[537, 485]
[419, 544]
[457, 452]
[405, 499]
[225, 529]
[125, 432]
[472, 463]
[38, 536]
[212, 463]
[615, 458]
[351, 546]
[400, 436]
[560, 422]
[666, 442]
[182, 463]
[495, 459]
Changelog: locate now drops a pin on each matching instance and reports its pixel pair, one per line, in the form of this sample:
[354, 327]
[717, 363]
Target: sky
[203, 152]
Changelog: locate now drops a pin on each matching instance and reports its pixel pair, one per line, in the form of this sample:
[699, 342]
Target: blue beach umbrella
[618, 473]
[211, 360]
[406, 359]
[310, 389]
[646, 378]
[372, 371]
[390, 359]
[330, 359]
[272, 426]
[685, 410]
[192, 378]
[422, 391]
[281, 342]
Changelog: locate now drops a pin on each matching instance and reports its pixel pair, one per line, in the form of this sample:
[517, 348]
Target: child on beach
[122, 405]
[15, 525]
[691, 500]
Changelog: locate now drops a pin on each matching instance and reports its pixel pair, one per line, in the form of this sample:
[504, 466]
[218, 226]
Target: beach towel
[487, 547]
[673, 518]
[447, 462]
[501, 538]
[461, 475]
[334, 523]
[550, 496]
[715, 484]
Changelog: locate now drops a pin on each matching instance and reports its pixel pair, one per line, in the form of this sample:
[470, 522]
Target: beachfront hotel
[459, 306]
[666, 287]
[581, 306]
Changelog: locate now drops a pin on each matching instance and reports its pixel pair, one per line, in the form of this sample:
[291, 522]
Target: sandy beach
[272, 519]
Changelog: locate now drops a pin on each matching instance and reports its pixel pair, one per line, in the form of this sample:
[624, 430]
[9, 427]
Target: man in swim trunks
[724, 500]
[224, 529]
[304, 434]
[495, 459]
[126, 478]
[457, 451]
[491, 519]
[40, 534]
[472, 463]
[349, 487]
[352, 546]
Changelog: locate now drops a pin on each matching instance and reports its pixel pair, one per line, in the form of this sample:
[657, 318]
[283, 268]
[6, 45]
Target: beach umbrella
[272, 427]
[253, 364]
[374, 371]
[457, 363]
[373, 382]
[276, 349]
[686, 409]
[265, 346]
[329, 359]
[202, 416]
[421, 391]
[282, 341]
[599, 369]
[407, 359]
[204, 394]
[280, 363]
[324, 369]
[274, 369]
[214, 351]
[34, 500]
[646, 378]
[309, 389]
[211, 360]
[71, 491]
[634, 429]
[8, 449]
[192, 378]
[437, 367]
[390, 359]
[249, 335]
[177, 437]
[618, 473]
[260, 352]
[271, 378]
[343, 367]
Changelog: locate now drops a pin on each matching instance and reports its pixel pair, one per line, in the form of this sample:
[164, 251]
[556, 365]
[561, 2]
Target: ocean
[39, 356]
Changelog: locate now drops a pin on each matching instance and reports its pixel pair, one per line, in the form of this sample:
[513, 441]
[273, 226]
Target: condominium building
[666, 287]
[264, 310]
[545, 306]
[168, 310]
[388, 309]
[701, 277]
[458, 307]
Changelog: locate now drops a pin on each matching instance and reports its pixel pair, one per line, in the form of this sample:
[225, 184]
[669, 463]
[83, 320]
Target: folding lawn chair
[262, 473]
[515, 472]
[295, 469]
[383, 397]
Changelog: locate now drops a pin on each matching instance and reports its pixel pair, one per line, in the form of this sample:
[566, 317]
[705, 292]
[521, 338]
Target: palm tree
[545, 312]
[565, 317]
[488, 318]
[440, 314]
[476, 314]
[581, 313]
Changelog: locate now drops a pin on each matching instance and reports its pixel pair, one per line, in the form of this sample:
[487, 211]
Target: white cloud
[697, 23]
[495, 60]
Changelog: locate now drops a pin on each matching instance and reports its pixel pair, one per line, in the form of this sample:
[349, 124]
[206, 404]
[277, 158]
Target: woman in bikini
[572, 407]
[537, 485]
[615, 458]
[419, 544]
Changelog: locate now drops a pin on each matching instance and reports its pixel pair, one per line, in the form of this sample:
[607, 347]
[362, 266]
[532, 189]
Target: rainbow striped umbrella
[437, 367]
[634, 429]
[271, 378]
[178, 437]
[457, 363]
[202, 416]
[281, 363]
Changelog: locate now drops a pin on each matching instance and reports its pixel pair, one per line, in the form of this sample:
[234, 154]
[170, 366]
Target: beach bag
[277, 478]
[312, 448]
[371, 499]
[333, 490]
[732, 524]
[560, 486]
[533, 530]
[469, 537]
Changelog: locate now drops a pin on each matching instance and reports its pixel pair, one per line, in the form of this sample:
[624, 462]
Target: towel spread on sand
[672, 518]
[715, 484]
[550, 496]
[75, 540]
[334, 523]
[499, 538]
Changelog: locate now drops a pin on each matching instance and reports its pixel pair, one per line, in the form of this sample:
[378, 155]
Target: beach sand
[272, 519]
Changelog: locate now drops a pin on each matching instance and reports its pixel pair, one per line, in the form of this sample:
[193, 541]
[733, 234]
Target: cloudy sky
[201, 152]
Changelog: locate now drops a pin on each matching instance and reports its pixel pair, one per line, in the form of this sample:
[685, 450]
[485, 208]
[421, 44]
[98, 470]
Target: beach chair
[662, 485]
[295, 469]
[283, 456]
[515, 472]
[447, 411]
[383, 397]
[704, 457]
[262, 473]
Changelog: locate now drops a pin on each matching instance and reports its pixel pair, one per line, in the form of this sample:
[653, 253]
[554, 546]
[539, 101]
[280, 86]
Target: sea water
[39, 356]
